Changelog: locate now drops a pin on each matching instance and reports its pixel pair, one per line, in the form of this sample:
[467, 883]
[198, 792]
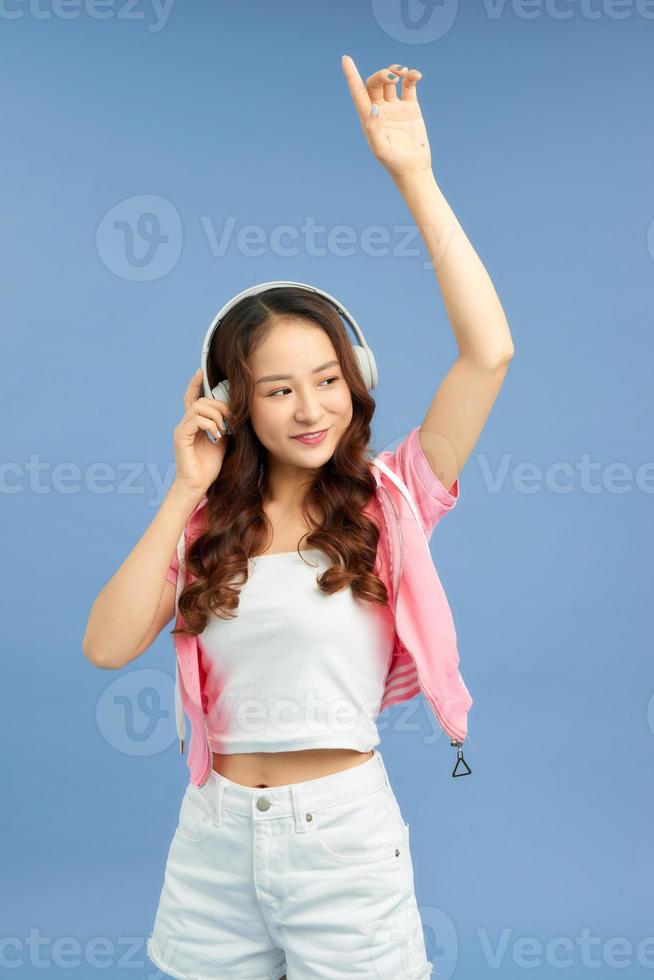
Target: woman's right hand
[198, 461]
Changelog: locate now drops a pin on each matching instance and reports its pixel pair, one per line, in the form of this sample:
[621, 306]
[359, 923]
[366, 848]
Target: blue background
[542, 141]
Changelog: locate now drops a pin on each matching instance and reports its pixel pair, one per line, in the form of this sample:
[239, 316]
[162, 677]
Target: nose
[308, 410]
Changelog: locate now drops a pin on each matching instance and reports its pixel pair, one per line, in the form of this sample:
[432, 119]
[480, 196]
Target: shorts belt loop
[217, 805]
[383, 768]
[301, 822]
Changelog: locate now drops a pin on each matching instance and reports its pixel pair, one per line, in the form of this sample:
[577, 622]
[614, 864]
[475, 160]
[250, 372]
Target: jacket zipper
[204, 723]
[455, 737]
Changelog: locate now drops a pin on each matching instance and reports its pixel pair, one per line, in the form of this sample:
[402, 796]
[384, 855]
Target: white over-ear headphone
[364, 355]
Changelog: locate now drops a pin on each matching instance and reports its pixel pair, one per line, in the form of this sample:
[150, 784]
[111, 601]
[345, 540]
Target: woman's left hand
[396, 135]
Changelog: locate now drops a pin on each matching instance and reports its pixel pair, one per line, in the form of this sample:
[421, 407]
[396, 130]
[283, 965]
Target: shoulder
[408, 462]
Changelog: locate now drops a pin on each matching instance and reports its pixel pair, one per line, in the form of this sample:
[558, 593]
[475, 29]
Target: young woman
[291, 856]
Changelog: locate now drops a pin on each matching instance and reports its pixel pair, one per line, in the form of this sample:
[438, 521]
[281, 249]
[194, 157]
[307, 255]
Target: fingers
[209, 425]
[409, 93]
[386, 81]
[194, 389]
[381, 86]
[207, 413]
[216, 409]
[358, 90]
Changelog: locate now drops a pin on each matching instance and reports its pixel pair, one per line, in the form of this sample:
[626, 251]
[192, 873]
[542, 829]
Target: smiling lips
[310, 439]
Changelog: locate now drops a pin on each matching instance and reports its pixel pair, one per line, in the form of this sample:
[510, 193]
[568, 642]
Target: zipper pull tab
[459, 759]
[181, 746]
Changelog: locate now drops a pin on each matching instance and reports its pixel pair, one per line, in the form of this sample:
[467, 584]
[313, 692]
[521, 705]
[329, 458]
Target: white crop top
[296, 669]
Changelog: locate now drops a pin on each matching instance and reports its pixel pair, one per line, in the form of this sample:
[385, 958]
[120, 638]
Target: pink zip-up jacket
[410, 500]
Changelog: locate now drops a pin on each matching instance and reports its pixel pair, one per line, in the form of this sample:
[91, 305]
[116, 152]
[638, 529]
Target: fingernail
[393, 77]
[375, 110]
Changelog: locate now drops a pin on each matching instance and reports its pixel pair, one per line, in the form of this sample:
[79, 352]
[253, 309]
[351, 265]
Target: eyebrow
[289, 377]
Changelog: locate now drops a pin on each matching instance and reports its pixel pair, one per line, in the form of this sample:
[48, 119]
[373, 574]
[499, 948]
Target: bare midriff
[281, 768]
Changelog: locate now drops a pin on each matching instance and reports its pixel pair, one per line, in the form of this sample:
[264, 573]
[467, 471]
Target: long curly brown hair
[235, 525]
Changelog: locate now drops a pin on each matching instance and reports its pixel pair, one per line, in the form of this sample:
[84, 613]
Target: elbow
[97, 658]
[96, 653]
[92, 656]
[494, 362]
[501, 361]
[89, 650]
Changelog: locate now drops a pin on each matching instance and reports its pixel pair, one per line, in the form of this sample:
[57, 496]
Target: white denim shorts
[311, 879]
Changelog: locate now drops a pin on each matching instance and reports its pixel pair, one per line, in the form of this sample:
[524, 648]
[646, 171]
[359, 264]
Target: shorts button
[263, 803]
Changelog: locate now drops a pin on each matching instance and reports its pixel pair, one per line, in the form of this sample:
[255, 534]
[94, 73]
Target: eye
[280, 390]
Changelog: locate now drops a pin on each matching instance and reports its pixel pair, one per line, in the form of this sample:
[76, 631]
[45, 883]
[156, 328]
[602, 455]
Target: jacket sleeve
[409, 462]
[190, 531]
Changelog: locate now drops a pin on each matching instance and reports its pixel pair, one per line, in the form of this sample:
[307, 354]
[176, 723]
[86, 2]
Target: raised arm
[397, 136]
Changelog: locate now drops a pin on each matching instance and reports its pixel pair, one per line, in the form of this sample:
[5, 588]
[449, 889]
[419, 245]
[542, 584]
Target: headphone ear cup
[367, 365]
[221, 391]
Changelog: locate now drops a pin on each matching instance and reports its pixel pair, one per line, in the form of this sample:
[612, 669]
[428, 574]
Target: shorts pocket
[193, 815]
[360, 831]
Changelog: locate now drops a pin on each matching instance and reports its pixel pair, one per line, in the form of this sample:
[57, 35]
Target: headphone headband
[364, 354]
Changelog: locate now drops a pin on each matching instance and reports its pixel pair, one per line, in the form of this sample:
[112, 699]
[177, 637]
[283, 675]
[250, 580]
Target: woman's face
[304, 400]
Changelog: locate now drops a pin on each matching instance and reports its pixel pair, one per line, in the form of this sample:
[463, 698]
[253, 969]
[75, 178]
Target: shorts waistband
[219, 793]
